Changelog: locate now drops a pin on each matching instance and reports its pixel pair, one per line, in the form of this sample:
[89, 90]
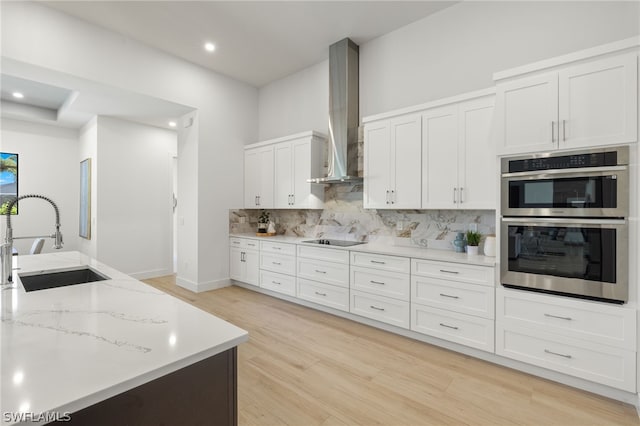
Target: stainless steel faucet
[6, 249]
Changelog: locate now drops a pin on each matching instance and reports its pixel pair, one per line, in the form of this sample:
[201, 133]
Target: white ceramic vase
[472, 250]
[490, 246]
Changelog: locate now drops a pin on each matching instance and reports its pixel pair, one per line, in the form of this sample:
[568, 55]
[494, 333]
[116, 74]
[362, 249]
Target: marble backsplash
[344, 218]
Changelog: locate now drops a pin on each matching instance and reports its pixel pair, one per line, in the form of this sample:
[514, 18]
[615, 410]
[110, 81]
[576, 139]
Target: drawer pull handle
[376, 308]
[321, 294]
[321, 272]
[276, 263]
[449, 272]
[378, 262]
[448, 326]
[558, 354]
[376, 282]
[277, 248]
[276, 282]
[252, 245]
[449, 296]
[236, 242]
[556, 316]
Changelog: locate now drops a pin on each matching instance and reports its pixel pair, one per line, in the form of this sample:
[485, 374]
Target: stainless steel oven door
[578, 257]
[593, 192]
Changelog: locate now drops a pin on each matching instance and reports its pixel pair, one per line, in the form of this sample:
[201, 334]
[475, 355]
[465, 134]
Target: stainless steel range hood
[343, 114]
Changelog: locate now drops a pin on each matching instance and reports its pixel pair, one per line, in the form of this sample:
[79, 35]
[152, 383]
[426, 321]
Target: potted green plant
[473, 241]
[263, 221]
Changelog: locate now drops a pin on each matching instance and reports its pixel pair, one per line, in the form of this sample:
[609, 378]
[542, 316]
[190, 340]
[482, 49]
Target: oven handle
[586, 171]
[560, 220]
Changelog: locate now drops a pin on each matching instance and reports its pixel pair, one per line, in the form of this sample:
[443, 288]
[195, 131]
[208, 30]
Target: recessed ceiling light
[209, 47]
[172, 124]
[18, 95]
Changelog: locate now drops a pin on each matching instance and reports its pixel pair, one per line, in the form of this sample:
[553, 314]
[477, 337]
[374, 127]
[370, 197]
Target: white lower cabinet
[323, 276]
[324, 294]
[449, 325]
[380, 308]
[590, 340]
[278, 267]
[243, 261]
[454, 302]
[599, 363]
[285, 284]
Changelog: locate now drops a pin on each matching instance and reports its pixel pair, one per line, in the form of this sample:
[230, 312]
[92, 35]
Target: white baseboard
[150, 274]
[205, 286]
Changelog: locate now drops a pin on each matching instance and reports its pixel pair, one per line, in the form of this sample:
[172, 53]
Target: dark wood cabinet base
[204, 393]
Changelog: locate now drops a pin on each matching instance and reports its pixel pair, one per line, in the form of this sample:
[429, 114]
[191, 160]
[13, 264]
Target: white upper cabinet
[590, 104]
[392, 163]
[598, 102]
[258, 177]
[295, 162]
[276, 172]
[458, 156]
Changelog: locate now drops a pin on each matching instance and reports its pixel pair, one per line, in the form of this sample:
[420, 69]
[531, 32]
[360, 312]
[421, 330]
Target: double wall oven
[564, 223]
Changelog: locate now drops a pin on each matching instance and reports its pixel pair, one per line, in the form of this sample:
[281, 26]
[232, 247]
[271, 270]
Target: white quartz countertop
[67, 348]
[389, 249]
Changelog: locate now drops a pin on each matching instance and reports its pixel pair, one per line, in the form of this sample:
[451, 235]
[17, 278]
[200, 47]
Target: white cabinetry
[380, 287]
[323, 276]
[278, 267]
[453, 302]
[243, 263]
[458, 156]
[295, 162]
[276, 172]
[586, 339]
[590, 104]
[392, 163]
[258, 177]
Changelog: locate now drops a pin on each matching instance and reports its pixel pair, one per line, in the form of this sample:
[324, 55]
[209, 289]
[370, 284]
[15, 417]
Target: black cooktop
[337, 243]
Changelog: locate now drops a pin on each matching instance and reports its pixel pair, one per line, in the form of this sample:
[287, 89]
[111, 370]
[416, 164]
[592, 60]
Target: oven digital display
[597, 159]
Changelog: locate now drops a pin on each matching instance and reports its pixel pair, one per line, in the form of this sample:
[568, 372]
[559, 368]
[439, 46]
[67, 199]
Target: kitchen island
[112, 352]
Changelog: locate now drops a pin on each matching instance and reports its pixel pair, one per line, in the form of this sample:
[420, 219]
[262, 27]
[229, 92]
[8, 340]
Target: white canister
[490, 246]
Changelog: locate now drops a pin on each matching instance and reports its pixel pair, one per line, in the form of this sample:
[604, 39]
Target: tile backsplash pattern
[344, 218]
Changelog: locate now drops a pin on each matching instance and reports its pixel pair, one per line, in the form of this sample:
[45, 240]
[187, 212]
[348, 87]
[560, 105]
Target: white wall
[88, 148]
[134, 189]
[228, 111]
[454, 51]
[296, 103]
[48, 165]
[458, 49]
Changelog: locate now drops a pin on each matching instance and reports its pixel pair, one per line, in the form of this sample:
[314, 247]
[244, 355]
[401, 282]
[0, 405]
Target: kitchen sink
[42, 280]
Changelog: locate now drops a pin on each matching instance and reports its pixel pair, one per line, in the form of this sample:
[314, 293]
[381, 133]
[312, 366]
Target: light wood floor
[305, 367]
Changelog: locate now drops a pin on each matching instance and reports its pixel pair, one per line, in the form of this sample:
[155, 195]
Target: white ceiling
[256, 41]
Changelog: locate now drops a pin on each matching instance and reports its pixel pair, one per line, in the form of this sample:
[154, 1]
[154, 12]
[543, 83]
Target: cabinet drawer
[473, 274]
[380, 261]
[245, 243]
[326, 272]
[322, 253]
[281, 283]
[278, 248]
[278, 263]
[590, 321]
[454, 327]
[324, 294]
[610, 366]
[390, 284]
[459, 328]
[383, 309]
[468, 299]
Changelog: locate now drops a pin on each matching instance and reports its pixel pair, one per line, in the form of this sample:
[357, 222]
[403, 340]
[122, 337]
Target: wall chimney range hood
[343, 114]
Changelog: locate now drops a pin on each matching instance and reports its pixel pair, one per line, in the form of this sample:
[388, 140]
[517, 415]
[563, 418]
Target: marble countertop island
[67, 348]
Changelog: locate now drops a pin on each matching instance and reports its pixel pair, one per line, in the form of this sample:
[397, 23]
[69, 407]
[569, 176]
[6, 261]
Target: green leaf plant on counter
[473, 238]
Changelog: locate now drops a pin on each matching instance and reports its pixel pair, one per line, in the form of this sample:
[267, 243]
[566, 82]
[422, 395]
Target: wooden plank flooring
[306, 367]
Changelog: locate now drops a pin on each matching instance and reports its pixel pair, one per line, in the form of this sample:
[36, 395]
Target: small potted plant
[263, 221]
[473, 241]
